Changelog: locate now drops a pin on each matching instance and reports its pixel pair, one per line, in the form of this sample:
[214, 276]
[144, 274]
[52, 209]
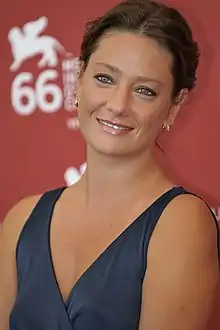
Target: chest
[76, 242]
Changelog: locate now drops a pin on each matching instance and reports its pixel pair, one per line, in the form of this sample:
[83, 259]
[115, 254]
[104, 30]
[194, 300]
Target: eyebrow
[116, 70]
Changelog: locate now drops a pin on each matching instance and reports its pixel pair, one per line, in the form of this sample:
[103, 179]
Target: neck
[116, 179]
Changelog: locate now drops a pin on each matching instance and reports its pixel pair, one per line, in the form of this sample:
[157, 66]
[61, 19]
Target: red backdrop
[41, 147]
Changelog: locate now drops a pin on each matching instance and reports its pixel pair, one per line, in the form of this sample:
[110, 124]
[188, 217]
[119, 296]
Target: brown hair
[157, 21]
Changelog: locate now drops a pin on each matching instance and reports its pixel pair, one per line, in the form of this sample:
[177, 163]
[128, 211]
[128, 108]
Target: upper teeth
[113, 125]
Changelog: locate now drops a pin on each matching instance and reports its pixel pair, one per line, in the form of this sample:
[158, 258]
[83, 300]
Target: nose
[118, 101]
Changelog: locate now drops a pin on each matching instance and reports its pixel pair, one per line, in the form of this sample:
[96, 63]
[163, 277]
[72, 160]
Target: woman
[124, 248]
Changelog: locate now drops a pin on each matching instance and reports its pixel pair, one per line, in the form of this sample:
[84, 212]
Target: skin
[128, 81]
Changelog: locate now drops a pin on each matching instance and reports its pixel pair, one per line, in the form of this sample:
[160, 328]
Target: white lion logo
[26, 43]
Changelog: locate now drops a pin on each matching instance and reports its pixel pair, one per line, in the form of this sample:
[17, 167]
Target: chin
[109, 151]
[113, 146]
[112, 149]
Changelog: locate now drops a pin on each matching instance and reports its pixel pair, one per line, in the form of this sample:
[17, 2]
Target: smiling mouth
[115, 126]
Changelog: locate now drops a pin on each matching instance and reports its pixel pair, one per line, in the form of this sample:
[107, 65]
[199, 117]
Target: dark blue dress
[106, 297]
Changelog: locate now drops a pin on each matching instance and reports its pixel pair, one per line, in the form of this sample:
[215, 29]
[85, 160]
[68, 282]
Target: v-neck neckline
[102, 254]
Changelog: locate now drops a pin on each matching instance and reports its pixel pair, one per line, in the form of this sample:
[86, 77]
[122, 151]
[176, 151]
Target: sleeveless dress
[106, 297]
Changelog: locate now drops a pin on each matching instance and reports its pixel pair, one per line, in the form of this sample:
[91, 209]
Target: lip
[100, 120]
[114, 128]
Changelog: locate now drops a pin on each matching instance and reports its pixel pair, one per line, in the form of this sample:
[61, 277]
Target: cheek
[91, 98]
[152, 116]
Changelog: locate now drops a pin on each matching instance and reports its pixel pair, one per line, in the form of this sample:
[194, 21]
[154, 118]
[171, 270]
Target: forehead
[133, 54]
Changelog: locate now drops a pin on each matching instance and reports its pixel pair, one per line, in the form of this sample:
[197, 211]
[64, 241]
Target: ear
[175, 107]
[79, 74]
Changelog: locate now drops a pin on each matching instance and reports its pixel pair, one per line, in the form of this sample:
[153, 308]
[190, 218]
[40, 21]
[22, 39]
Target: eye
[104, 79]
[146, 91]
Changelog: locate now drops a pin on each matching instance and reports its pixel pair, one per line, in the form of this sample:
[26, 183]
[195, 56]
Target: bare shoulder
[14, 222]
[18, 215]
[188, 216]
[182, 278]
[187, 228]
[9, 235]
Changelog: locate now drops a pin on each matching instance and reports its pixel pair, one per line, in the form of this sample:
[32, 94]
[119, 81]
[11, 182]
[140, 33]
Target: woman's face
[125, 94]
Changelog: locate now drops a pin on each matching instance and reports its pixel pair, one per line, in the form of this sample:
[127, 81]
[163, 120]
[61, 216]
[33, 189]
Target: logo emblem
[26, 42]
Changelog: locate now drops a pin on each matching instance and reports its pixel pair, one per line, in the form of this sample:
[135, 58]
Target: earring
[166, 127]
[76, 101]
